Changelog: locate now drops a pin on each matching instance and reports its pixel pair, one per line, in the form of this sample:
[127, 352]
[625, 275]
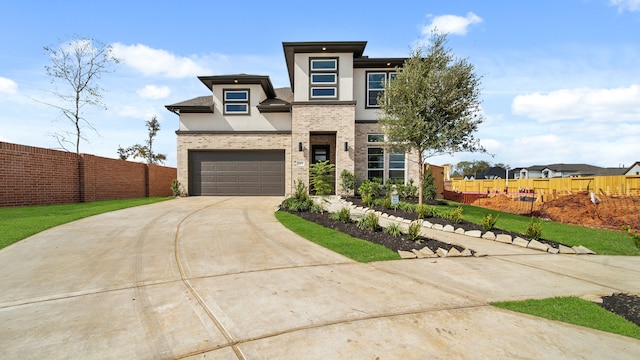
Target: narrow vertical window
[375, 163]
[396, 166]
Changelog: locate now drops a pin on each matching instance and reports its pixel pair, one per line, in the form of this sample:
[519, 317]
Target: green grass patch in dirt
[575, 311]
[17, 223]
[353, 248]
[603, 242]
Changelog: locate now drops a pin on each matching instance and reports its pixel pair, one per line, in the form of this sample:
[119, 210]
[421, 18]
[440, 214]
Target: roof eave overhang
[390, 63]
[274, 108]
[262, 80]
[189, 109]
[292, 48]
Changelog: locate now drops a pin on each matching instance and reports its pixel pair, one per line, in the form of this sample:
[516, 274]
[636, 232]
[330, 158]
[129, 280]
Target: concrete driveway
[215, 277]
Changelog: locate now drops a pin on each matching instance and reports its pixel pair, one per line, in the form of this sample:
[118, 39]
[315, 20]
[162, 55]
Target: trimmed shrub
[489, 222]
[343, 215]
[369, 222]
[393, 230]
[414, 230]
[534, 229]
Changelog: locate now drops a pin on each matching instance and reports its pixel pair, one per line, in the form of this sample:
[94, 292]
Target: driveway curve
[219, 277]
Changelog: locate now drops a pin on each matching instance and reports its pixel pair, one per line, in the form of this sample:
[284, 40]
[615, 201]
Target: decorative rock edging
[489, 235]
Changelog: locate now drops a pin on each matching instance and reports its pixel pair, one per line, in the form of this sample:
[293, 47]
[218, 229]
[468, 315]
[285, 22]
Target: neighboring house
[248, 138]
[494, 173]
[573, 170]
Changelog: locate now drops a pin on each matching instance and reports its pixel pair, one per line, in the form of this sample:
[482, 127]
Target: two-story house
[248, 138]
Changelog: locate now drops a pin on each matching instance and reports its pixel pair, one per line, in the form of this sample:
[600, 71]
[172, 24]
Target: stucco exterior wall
[360, 95]
[256, 141]
[345, 75]
[254, 121]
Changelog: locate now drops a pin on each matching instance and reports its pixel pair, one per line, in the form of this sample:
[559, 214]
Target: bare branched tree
[75, 71]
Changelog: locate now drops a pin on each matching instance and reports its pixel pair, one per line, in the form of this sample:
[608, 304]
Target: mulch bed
[392, 242]
[466, 225]
[625, 305]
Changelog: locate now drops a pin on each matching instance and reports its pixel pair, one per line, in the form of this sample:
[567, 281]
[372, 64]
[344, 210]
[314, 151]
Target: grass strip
[575, 311]
[356, 249]
[603, 242]
[17, 223]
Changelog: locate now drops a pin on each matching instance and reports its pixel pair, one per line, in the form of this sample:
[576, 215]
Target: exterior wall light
[299, 146]
[346, 146]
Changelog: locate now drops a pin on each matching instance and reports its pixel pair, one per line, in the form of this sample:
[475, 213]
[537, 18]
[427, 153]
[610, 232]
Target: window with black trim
[375, 163]
[396, 166]
[236, 101]
[376, 81]
[392, 168]
[323, 78]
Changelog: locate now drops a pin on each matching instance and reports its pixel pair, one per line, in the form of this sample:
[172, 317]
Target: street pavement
[220, 278]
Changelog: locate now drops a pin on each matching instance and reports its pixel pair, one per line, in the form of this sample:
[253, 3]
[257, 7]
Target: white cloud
[158, 62]
[137, 112]
[8, 86]
[451, 24]
[631, 5]
[154, 92]
[616, 104]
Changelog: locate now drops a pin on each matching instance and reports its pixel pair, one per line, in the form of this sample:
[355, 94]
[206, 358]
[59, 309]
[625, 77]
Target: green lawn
[353, 248]
[603, 242]
[17, 223]
[575, 311]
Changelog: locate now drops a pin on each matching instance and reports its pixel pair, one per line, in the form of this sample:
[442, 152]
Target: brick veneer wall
[36, 176]
[229, 141]
[362, 130]
[309, 118]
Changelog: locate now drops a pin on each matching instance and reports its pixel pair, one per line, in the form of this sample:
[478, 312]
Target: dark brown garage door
[255, 172]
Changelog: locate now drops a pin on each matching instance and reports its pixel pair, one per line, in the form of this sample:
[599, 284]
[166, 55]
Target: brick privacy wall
[107, 179]
[36, 176]
[160, 178]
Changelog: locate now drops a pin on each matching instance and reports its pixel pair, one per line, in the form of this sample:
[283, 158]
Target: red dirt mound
[612, 212]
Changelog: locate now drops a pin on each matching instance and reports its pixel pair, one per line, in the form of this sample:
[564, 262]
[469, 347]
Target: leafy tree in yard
[145, 151]
[433, 105]
[76, 66]
[471, 168]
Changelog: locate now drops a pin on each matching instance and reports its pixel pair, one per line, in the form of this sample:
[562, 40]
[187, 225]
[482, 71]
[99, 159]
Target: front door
[321, 153]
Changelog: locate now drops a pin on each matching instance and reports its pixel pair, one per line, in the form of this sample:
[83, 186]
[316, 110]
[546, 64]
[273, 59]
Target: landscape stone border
[489, 235]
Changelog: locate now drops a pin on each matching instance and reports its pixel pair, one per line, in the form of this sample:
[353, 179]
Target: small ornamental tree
[433, 105]
[145, 151]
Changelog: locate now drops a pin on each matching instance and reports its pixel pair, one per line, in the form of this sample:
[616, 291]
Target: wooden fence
[549, 188]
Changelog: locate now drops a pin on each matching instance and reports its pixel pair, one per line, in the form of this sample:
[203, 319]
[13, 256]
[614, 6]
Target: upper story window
[236, 102]
[323, 81]
[375, 86]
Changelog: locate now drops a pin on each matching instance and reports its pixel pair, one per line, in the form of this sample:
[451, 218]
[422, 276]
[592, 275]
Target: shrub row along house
[249, 138]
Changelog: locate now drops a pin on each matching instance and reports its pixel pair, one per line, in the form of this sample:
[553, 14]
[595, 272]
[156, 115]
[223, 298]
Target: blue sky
[560, 78]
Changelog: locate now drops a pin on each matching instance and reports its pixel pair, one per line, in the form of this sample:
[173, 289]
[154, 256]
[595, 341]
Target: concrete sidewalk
[215, 277]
